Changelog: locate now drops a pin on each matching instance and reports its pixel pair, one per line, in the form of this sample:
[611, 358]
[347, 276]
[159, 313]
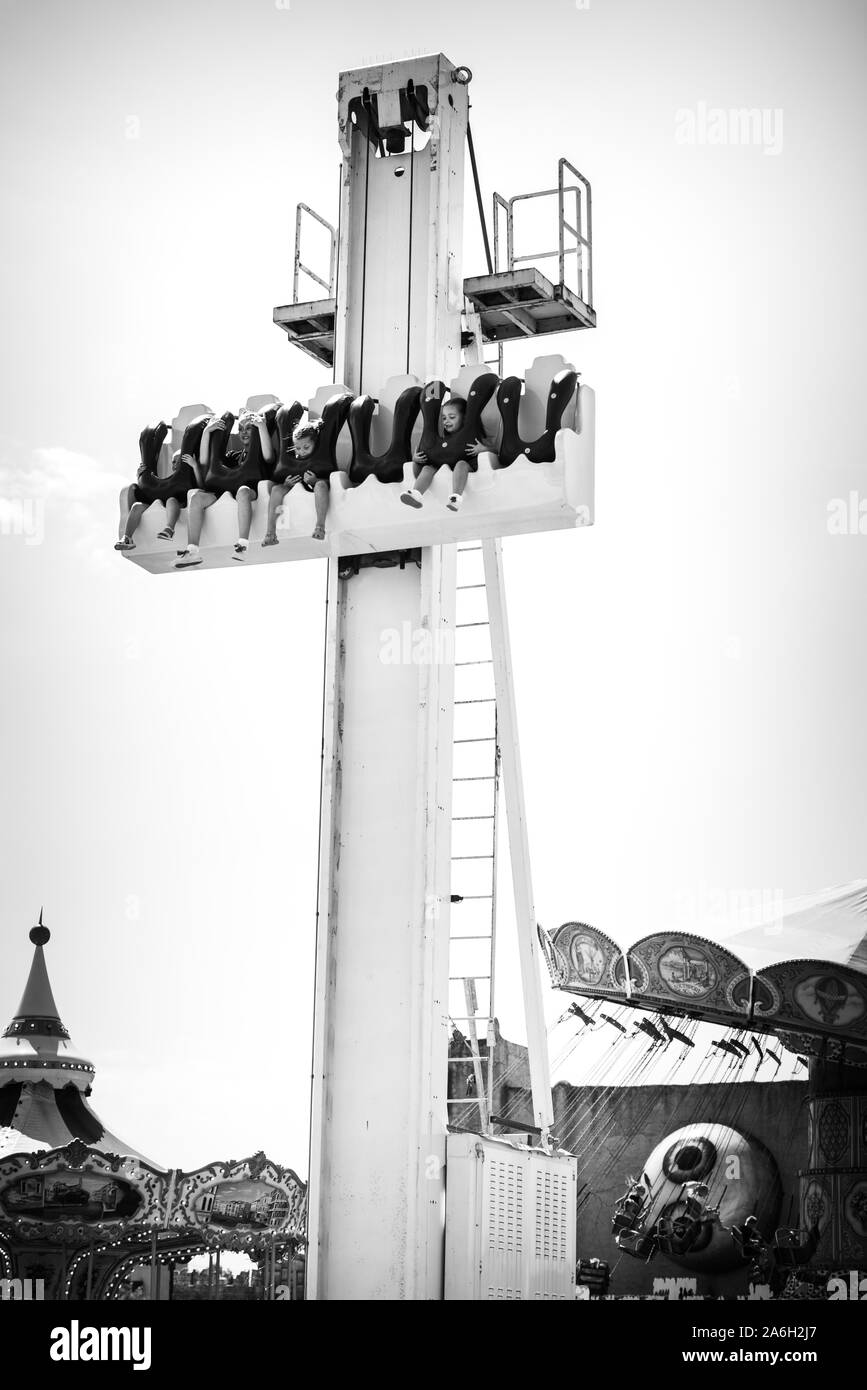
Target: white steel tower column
[376, 1197]
[400, 288]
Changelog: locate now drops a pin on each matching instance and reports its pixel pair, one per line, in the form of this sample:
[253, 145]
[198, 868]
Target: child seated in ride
[134, 502]
[304, 441]
[453, 415]
[211, 488]
[136, 497]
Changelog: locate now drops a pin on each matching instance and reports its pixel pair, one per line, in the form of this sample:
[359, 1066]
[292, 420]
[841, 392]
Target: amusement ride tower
[398, 319]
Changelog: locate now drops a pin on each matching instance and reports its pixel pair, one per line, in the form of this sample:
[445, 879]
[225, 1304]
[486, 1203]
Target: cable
[475, 169]
[336, 286]
[591, 1137]
[364, 246]
[409, 272]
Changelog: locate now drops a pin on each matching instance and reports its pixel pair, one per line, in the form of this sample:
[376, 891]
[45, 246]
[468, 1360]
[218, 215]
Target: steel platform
[523, 304]
[310, 326]
[511, 304]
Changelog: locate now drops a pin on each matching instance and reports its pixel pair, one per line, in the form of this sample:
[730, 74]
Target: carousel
[86, 1215]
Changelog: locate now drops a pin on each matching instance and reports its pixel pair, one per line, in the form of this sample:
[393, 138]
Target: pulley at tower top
[403, 131]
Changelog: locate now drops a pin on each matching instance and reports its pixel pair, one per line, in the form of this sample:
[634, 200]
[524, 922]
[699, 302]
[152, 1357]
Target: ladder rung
[456, 979]
[474, 897]
[481, 624]
[490, 700]
[460, 587]
[471, 1018]
[489, 739]
[481, 1057]
[486, 662]
[478, 936]
[465, 549]
[489, 817]
[456, 857]
[474, 779]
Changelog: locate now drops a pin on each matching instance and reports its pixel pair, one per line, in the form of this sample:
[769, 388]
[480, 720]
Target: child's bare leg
[173, 516]
[129, 522]
[136, 512]
[245, 512]
[126, 506]
[424, 476]
[275, 502]
[460, 473]
[199, 503]
[321, 498]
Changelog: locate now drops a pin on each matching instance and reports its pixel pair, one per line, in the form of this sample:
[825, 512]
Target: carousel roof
[798, 973]
[831, 924]
[44, 1082]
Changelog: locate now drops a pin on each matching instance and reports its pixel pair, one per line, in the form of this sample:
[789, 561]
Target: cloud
[50, 482]
[57, 473]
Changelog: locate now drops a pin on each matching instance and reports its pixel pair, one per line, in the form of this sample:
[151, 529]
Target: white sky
[689, 674]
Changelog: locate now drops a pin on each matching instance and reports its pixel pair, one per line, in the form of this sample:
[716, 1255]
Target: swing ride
[710, 1195]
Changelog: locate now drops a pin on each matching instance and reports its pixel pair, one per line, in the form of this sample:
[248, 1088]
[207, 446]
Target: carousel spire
[44, 1082]
[37, 1015]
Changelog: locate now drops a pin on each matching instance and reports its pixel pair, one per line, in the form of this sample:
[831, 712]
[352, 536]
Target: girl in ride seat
[304, 441]
[208, 492]
[134, 502]
[452, 418]
[136, 497]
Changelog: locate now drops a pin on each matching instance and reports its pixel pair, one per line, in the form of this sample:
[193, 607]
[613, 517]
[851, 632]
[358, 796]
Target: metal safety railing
[300, 267]
[574, 238]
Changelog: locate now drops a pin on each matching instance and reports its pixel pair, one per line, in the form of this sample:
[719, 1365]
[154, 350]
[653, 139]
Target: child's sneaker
[125, 543]
[454, 502]
[187, 558]
[412, 498]
[240, 552]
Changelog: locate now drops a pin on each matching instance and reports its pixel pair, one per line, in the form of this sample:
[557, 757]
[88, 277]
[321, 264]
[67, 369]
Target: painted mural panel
[690, 975]
[818, 996]
[585, 961]
[65, 1194]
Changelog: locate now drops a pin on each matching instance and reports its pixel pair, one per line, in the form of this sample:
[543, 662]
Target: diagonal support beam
[519, 849]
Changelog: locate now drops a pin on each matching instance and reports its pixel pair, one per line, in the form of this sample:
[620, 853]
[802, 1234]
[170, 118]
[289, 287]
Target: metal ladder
[475, 798]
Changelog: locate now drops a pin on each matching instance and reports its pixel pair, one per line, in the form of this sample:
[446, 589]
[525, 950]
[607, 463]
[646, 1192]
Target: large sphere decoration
[743, 1181]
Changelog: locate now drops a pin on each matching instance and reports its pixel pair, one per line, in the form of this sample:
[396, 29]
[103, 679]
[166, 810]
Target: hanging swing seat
[640, 1244]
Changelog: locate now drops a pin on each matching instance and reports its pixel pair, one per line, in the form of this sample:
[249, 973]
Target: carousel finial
[40, 934]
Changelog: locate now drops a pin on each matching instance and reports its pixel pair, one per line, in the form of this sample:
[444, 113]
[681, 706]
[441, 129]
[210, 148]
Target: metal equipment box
[510, 1221]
